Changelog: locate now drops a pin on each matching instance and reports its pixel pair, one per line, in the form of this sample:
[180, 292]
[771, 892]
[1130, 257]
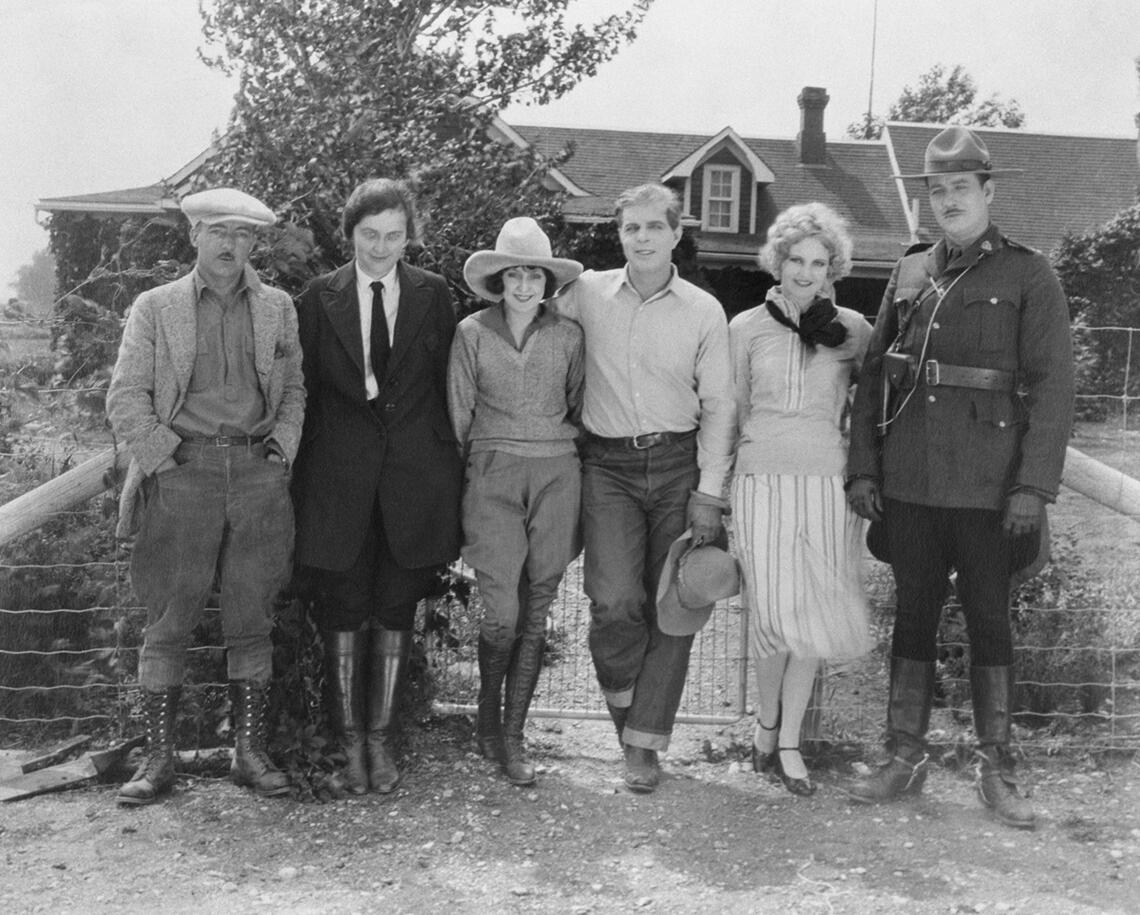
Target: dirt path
[457, 837]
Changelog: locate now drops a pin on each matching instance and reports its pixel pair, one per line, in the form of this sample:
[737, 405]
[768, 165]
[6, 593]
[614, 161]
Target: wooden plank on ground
[53, 778]
[66, 775]
[56, 754]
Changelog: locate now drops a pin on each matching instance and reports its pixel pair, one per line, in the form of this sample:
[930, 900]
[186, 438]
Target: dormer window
[721, 198]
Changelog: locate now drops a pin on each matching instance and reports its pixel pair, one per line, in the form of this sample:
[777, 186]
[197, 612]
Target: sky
[97, 95]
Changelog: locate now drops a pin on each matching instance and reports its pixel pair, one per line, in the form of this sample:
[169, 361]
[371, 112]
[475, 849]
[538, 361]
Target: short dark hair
[375, 196]
[494, 283]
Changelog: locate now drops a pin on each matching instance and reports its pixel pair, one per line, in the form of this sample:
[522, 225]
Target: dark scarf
[819, 325]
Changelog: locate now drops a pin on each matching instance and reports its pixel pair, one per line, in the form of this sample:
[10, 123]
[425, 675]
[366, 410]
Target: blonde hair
[808, 220]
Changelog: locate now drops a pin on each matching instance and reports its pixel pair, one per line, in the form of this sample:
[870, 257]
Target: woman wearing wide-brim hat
[514, 391]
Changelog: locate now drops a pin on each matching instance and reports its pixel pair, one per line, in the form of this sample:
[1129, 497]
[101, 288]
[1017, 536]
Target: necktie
[378, 339]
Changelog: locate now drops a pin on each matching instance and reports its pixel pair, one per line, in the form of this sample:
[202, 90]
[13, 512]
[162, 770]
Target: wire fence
[70, 626]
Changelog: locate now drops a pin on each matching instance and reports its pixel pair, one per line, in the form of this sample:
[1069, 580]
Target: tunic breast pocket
[994, 312]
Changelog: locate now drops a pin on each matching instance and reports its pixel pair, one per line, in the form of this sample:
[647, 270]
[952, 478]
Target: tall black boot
[387, 658]
[992, 690]
[908, 716]
[252, 766]
[522, 678]
[493, 664]
[155, 774]
[345, 664]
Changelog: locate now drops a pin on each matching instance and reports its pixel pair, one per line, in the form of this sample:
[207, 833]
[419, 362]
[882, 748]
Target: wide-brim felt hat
[521, 242]
[958, 149]
[693, 579]
[226, 204]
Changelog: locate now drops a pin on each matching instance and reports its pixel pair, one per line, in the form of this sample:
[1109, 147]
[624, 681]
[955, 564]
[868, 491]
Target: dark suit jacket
[351, 455]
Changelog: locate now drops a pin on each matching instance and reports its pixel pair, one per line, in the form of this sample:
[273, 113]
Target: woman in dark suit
[378, 476]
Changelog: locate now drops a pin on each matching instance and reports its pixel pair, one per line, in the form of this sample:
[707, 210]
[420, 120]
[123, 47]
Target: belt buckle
[931, 373]
[644, 440]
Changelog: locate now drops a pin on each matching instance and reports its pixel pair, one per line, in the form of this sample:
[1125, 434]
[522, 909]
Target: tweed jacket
[156, 360]
[959, 447]
[398, 453]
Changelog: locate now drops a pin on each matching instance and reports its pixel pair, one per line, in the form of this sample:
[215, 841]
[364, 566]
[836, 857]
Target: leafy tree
[332, 92]
[1100, 271]
[942, 97]
[35, 282]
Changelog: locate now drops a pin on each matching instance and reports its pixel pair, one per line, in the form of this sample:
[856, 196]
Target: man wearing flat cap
[958, 436]
[207, 394]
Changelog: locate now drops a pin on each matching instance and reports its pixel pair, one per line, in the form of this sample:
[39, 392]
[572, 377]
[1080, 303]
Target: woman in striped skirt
[794, 360]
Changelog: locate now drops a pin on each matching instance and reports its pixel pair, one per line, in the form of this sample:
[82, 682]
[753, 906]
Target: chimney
[811, 142]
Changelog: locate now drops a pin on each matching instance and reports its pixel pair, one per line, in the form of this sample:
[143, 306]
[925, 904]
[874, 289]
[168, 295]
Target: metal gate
[715, 691]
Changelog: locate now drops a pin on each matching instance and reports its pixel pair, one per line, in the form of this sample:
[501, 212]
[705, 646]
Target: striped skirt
[800, 548]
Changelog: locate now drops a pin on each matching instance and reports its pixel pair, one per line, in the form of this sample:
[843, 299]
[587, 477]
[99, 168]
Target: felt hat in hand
[693, 580]
[521, 243]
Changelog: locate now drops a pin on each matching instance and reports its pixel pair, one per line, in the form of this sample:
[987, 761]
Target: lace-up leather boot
[252, 766]
[155, 775]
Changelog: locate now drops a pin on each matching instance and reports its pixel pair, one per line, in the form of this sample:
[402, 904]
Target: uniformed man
[958, 436]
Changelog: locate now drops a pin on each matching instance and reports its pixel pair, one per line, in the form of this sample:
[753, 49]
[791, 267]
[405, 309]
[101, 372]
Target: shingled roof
[855, 180]
[1070, 184]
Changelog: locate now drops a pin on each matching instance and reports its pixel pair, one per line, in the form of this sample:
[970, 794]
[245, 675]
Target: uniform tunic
[799, 544]
[1002, 308]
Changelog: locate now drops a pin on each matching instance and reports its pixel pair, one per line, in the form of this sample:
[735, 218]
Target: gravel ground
[713, 838]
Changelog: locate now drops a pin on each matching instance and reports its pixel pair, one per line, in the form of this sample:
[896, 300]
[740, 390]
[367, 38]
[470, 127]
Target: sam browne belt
[935, 373]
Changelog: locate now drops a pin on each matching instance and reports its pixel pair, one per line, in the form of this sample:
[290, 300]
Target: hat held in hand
[693, 580]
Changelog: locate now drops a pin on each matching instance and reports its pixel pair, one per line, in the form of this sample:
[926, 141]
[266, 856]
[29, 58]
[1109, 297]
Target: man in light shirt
[658, 414]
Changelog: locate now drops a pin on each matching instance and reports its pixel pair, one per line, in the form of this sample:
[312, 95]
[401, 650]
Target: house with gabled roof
[733, 187]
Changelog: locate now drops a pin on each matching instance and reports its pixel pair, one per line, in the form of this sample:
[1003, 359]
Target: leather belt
[643, 441]
[935, 373]
[225, 441]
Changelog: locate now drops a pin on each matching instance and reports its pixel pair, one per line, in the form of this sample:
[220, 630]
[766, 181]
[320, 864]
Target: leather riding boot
[493, 664]
[155, 774]
[992, 689]
[908, 716]
[387, 658]
[252, 767]
[344, 667]
[522, 678]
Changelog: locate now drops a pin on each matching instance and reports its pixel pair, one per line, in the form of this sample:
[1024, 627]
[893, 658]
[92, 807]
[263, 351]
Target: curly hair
[809, 220]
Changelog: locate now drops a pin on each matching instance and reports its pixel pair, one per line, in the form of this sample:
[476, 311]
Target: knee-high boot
[155, 773]
[344, 667]
[908, 716]
[522, 678]
[992, 689]
[493, 663]
[252, 766]
[387, 658]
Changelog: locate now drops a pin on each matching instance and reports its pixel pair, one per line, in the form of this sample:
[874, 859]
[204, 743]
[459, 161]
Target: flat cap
[226, 204]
